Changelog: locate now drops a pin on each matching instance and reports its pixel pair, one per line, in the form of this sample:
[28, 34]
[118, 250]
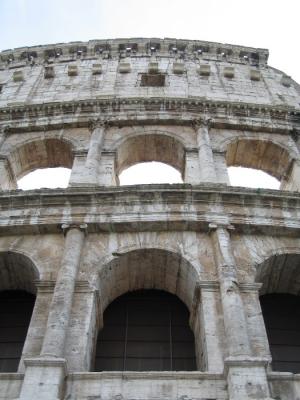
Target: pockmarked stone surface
[97, 108]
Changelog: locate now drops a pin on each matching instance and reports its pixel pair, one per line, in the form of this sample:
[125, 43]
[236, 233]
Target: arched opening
[159, 270]
[147, 148]
[16, 308]
[146, 330]
[17, 297]
[281, 314]
[50, 178]
[254, 178]
[262, 163]
[148, 173]
[45, 163]
[280, 303]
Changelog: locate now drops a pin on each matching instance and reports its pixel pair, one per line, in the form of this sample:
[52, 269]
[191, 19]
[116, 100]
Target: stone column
[233, 310]
[60, 308]
[78, 177]
[246, 374]
[44, 375]
[97, 128]
[206, 159]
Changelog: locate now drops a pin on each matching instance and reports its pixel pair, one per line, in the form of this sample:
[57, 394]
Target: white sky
[257, 23]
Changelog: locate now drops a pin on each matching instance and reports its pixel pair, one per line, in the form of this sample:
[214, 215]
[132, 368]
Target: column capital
[97, 123]
[213, 226]
[202, 122]
[82, 227]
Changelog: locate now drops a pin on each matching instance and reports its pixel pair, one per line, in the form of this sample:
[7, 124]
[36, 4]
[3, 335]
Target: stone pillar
[221, 167]
[60, 308]
[246, 374]
[107, 176]
[292, 180]
[44, 375]
[207, 328]
[36, 331]
[94, 154]
[7, 178]
[191, 168]
[256, 325]
[206, 159]
[78, 177]
[83, 328]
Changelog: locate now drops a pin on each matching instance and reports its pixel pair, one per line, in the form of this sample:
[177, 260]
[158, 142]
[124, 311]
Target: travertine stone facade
[98, 108]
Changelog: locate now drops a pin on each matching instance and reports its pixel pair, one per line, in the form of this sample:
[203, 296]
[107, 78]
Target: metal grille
[146, 330]
[281, 313]
[15, 313]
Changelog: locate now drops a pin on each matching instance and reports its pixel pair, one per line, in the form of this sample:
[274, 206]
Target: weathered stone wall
[86, 106]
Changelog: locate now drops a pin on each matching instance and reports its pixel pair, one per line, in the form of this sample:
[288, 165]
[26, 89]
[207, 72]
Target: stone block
[97, 69]
[72, 70]
[153, 67]
[49, 72]
[286, 80]
[124, 67]
[178, 67]
[228, 72]
[18, 76]
[204, 70]
[255, 75]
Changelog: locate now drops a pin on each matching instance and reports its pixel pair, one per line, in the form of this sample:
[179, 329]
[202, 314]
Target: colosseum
[184, 291]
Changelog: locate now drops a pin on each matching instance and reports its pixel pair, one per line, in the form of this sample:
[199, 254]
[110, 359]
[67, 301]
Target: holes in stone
[253, 178]
[153, 80]
[149, 172]
[45, 178]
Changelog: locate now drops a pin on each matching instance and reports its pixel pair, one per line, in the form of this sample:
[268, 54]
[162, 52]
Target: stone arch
[279, 272]
[17, 272]
[153, 268]
[151, 146]
[40, 153]
[269, 156]
[18, 276]
[171, 272]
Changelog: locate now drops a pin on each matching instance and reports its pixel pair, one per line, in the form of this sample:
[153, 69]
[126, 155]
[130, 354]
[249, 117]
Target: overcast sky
[258, 23]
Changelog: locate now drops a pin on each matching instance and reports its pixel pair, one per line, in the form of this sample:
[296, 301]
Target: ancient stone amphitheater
[148, 292]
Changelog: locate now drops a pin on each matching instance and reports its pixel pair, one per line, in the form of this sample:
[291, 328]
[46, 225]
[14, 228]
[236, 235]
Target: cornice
[132, 111]
[133, 47]
[107, 209]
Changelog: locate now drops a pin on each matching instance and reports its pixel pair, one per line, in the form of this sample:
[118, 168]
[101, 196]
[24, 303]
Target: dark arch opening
[16, 308]
[146, 330]
[281, 314]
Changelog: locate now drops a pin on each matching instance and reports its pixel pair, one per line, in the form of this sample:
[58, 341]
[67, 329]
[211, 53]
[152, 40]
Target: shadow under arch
[147, 268]
[280, 303]
[279, 273]
[261, 154]
[40, 153]
[148, 147]
[17, 272]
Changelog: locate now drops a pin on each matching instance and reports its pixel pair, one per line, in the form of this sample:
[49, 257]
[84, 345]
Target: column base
[247, 378]
[44, 378]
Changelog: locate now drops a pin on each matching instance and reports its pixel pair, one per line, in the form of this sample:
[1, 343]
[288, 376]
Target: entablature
[151, 208]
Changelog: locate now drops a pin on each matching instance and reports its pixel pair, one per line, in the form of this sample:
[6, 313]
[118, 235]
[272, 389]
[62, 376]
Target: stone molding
[265, 118]
[113, 48]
